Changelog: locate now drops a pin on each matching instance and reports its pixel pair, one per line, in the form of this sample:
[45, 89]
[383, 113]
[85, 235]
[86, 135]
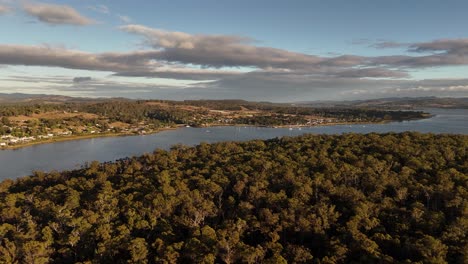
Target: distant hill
[385, 103]
[395, 102]
[23, 98]
[6, 98]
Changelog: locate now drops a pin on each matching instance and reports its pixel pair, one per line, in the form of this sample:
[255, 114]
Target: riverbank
[80, 137]
[89, 136]
[73, 154]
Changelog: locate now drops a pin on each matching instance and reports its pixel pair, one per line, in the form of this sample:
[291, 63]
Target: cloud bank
[437, 53]
[235, 51]
[199, 57]
[251, 86]
[227, 66]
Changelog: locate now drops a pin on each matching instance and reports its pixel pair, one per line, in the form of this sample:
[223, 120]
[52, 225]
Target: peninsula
[26, 123]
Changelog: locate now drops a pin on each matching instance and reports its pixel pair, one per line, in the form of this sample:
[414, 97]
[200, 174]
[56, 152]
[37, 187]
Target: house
[3, 144]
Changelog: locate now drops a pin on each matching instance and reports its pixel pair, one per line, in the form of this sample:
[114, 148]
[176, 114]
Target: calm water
[72, 154]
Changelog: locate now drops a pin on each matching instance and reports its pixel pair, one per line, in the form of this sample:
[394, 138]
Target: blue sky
[255, 50]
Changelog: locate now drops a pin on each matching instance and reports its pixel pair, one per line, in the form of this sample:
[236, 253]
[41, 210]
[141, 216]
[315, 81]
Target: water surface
[72, 154]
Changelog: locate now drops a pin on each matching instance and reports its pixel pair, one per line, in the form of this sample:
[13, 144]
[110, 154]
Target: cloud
[444, 52]
[436, 60]
[235, 51]
[218, 50]
[4, 9]
[215, 67]
[343, 61]
[388, 45]
[291, 87]
[56, 14]
[131, 64]
[103, 9]
[254, 86]
[34, 79]
[151, 63]
[440, 46]
[71, 59]
[217, 58]
[205, 57]
[372, 73]
[97, 87]
[447, 46]
[181, 73]
[81, 79]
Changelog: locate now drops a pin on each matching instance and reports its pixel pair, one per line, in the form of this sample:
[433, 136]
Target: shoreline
[73, 138]
[81, 137]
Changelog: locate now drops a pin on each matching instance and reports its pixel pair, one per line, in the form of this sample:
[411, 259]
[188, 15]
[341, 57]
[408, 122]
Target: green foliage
[375, 198]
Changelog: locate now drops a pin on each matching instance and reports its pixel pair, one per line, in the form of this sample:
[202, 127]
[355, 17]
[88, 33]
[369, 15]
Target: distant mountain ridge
[43, 98]
[388, 103]
[395, 102]
[20, 97]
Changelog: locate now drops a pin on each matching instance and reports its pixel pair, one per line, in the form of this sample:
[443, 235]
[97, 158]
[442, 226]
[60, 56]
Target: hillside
[396, 103]
[376, 198]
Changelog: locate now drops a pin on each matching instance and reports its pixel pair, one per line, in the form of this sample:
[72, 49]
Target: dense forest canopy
[375, 198]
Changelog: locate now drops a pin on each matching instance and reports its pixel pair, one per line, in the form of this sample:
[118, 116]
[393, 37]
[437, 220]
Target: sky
[257, 50]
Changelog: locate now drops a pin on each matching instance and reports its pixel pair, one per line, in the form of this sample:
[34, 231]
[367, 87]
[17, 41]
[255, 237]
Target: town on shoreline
[26, 124]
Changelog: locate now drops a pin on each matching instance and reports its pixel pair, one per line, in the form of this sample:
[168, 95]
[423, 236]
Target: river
[72, 154]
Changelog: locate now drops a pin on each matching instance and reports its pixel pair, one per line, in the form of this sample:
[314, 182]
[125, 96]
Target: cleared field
[118, 124]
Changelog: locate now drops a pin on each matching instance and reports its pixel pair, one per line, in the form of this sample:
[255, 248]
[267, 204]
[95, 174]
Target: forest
[351, 198]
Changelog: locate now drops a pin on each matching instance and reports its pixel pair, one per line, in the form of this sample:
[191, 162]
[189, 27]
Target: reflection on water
[71, 154]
